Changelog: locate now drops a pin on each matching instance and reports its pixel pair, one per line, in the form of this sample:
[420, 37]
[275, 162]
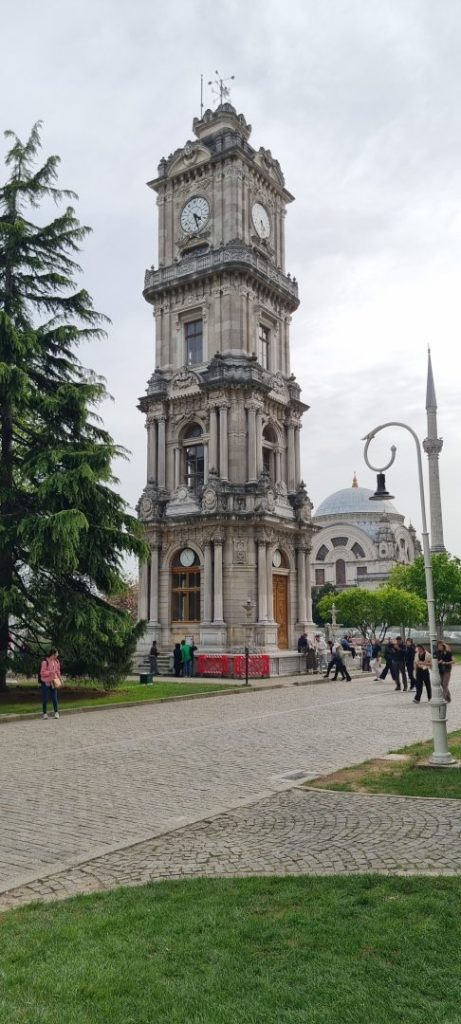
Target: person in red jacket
[50, 679]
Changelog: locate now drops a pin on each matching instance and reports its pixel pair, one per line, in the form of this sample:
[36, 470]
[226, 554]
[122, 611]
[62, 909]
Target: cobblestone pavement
[90, 787]
[296, 832]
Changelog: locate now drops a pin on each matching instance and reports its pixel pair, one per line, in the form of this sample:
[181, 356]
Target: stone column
[297, 456]
[154, 574]
[270, 599]
[291, 456]
[151, 427]
[161, 421]
[218, 581]
[301, 558]
[259, 443]
[308, 585]
[213, 443]
[278, 465]
[177, 467]
[223, 443]
[207, 584]
[251, 442]
[143, 590]
[262, 581]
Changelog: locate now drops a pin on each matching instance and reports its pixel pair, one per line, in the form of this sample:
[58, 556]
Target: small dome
[350, 500]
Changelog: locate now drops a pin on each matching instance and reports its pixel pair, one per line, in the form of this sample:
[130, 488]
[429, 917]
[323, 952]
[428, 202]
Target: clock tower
[227, 517]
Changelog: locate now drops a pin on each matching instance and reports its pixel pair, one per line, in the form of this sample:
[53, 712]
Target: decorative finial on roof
[355, 481]
[219, 88]
[431, 401]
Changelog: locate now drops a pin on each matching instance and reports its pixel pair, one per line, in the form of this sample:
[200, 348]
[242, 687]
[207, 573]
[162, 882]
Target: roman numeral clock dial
[260, 218]
[194, 215]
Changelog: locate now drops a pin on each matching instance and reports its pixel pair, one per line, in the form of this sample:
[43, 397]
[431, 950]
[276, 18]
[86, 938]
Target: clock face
[261, 220]
[276, 559]
[195, 214]
[187, 557]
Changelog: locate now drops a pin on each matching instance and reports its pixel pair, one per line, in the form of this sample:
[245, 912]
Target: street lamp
[248, 606]
[441, 756]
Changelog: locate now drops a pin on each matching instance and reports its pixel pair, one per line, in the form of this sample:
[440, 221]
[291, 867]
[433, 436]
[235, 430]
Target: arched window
[321, 553]
[340, 572]
[185, 587]
[193, 458]
[358, 550]
[339, 542]
[269, 446]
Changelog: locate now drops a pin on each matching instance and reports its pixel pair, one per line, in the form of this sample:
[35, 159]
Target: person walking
[388, 660]
[340, 667]
[398, 661]
[423, 663]
[50, 680]
[376, 658]
[153, 655]
[410, 652]
[445, 663]
[177, 660]
[186, 658]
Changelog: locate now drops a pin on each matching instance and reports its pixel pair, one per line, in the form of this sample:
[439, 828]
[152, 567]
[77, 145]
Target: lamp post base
[441, 756]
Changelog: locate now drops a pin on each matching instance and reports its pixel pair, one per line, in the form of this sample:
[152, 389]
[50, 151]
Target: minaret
[433, 446]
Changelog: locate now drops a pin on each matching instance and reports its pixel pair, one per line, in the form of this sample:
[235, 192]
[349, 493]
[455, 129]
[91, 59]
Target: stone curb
[4, 719]
[225, 692]
[61, 866]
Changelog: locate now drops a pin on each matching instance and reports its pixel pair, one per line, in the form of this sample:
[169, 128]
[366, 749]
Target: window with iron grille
[264, 337]
[193, 337]
[185, 592]
[194, 458]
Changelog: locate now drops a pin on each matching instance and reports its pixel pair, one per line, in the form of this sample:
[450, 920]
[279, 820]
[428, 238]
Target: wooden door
[280, 601]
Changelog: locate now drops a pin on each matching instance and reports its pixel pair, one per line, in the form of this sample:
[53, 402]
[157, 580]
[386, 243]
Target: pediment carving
[185, 380]
[193, 154]
[271, 166]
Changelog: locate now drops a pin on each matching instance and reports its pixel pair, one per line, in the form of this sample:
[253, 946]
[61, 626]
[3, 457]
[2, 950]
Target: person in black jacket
[389, 664]
[410, 651]
[398, 661]
[177, 660]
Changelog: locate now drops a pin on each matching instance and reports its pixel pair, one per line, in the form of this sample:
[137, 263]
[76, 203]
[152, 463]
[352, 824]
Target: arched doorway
[340, 572]
[280, 597]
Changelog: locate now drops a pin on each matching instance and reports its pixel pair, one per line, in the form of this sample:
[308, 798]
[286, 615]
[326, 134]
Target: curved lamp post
[441, 755]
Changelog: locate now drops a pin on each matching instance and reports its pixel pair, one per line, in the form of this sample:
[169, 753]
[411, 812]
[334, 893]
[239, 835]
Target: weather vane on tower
[219, 88]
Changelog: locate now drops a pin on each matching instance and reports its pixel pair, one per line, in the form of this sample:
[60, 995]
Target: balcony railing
[219, 259]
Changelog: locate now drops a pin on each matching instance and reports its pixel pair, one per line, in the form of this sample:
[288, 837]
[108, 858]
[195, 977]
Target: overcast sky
[360, 101]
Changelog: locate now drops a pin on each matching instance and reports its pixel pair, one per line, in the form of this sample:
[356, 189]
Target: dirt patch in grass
[352, 779]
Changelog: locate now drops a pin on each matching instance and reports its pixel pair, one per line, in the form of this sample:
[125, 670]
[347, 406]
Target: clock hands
[198, 220]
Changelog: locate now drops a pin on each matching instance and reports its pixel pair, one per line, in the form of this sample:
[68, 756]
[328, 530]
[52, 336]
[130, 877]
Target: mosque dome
[352, 500]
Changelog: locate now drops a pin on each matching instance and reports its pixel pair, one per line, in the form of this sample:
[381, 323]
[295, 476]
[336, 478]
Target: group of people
[183, 658]
[408, 663]
[326, 656]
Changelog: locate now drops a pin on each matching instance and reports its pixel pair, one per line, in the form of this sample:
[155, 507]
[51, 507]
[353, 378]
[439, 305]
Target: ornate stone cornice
[235, 255]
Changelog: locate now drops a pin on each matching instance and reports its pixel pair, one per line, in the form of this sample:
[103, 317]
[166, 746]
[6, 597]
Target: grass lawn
[24, 699]
[407, 778]
[359, 950]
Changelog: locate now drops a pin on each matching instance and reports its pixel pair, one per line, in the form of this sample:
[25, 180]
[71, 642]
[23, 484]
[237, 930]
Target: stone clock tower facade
[227, 517]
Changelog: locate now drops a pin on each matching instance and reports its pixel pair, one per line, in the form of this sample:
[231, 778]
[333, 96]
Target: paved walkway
[207, 787]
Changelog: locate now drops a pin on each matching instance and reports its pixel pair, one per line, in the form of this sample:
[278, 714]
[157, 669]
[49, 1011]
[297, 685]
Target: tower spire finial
[355, 482]
[433, 446]
[431, 401]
